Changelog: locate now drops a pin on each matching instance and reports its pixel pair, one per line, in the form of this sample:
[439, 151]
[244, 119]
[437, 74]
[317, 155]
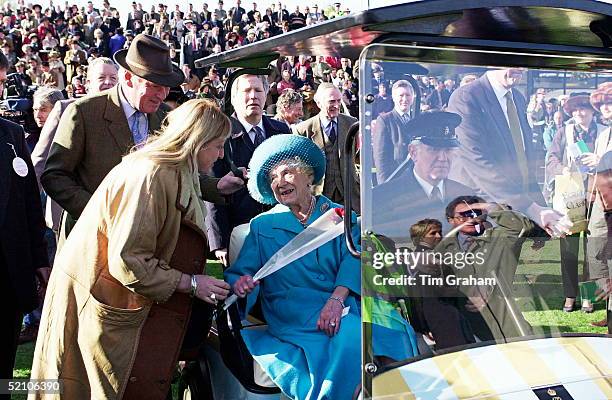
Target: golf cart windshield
[462, 166]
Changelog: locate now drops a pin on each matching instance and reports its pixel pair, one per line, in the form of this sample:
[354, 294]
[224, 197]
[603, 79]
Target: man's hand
[230, 183]
[589, 159]
[605, 290]
[553, 222]
[221, 255]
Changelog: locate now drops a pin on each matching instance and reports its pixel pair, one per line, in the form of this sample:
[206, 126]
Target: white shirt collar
[326, 121]
[401, 114]
[428, 187]
[500, 91]
[247, 127]
[128, 110]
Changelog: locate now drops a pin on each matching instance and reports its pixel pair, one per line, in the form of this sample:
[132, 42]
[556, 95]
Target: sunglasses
[469, 214]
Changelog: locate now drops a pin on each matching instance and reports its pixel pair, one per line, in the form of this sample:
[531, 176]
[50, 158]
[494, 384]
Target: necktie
[259, 136]
[331, 133]
[195, 43]
[436, 195]
[517, 137]
[139, 136]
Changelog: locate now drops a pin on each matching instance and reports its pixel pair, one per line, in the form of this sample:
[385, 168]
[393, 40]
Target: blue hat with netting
[274, 150]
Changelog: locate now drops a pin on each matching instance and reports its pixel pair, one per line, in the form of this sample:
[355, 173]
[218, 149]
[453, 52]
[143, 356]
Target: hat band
[147, 68]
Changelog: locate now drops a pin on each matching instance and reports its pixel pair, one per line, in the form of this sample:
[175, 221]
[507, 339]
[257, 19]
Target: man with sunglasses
[494, 251]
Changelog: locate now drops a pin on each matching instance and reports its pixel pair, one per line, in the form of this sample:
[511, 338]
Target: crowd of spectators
[52, 46]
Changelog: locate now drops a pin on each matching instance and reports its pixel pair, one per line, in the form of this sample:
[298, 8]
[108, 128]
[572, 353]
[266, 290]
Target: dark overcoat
[22, 245]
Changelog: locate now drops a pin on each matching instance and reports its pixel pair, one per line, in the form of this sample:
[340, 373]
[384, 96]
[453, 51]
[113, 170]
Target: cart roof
[583, 27]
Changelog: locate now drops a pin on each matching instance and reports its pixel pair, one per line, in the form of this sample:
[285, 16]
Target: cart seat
[234, 352]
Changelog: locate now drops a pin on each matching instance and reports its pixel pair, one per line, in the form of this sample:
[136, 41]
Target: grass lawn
[538, 291]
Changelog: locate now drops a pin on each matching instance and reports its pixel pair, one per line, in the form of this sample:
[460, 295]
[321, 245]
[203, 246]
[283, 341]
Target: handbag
[569, 199]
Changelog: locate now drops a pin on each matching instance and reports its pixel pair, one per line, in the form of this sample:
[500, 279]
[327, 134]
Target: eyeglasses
[465, 215]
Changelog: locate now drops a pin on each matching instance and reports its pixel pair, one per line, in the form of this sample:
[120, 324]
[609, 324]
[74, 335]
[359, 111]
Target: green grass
[538, 290]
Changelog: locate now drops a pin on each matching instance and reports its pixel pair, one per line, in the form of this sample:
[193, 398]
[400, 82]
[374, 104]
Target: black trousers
[10, 325]
[569, 248]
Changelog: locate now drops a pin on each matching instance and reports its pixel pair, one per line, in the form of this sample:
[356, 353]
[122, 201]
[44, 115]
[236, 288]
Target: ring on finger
[213, 297]
[332, 324]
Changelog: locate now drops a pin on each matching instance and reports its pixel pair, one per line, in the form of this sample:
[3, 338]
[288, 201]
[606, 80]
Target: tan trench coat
[129, 229]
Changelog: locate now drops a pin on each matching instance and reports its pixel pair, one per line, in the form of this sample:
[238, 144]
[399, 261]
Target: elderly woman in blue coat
[312, 346]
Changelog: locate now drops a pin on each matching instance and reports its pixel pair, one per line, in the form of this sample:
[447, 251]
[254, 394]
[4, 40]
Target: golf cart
[554, 44]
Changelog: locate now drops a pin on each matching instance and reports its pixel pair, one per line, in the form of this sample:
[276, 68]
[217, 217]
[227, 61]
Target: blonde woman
[110, 327]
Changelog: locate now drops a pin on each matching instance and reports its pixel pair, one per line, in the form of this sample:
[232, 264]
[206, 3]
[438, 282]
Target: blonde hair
[184, 131]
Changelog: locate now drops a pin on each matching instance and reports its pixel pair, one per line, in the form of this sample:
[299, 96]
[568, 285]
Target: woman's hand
[244, 285]
[330, 317]
[209, 286]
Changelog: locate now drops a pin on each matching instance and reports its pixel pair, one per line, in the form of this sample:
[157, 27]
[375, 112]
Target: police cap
[435, 128]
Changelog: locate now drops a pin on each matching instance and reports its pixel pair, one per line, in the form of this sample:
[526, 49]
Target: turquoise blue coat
[303, 361]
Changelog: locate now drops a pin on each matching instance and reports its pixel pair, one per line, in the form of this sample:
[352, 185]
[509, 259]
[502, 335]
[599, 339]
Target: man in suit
[497, 155]
[390, 138]
[249, 129]
[328, 130]
[423, 190]
[193, 47]
[438, 98]
[134, 14]
[238, 12]
[23, 251]
[95, 132]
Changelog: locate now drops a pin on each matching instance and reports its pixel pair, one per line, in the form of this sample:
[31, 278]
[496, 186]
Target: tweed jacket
[311, 128]
[92, 137]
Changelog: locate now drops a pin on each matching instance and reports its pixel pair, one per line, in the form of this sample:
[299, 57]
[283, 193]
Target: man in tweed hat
[95, 132]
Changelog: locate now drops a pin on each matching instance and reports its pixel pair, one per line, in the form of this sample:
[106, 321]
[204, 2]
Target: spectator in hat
[57, 68]
[10, 55]
[562, 160]
[34, 71]
[111, 123]
[47, 78]
[423, 188]
[34, 42]
[74, 58]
